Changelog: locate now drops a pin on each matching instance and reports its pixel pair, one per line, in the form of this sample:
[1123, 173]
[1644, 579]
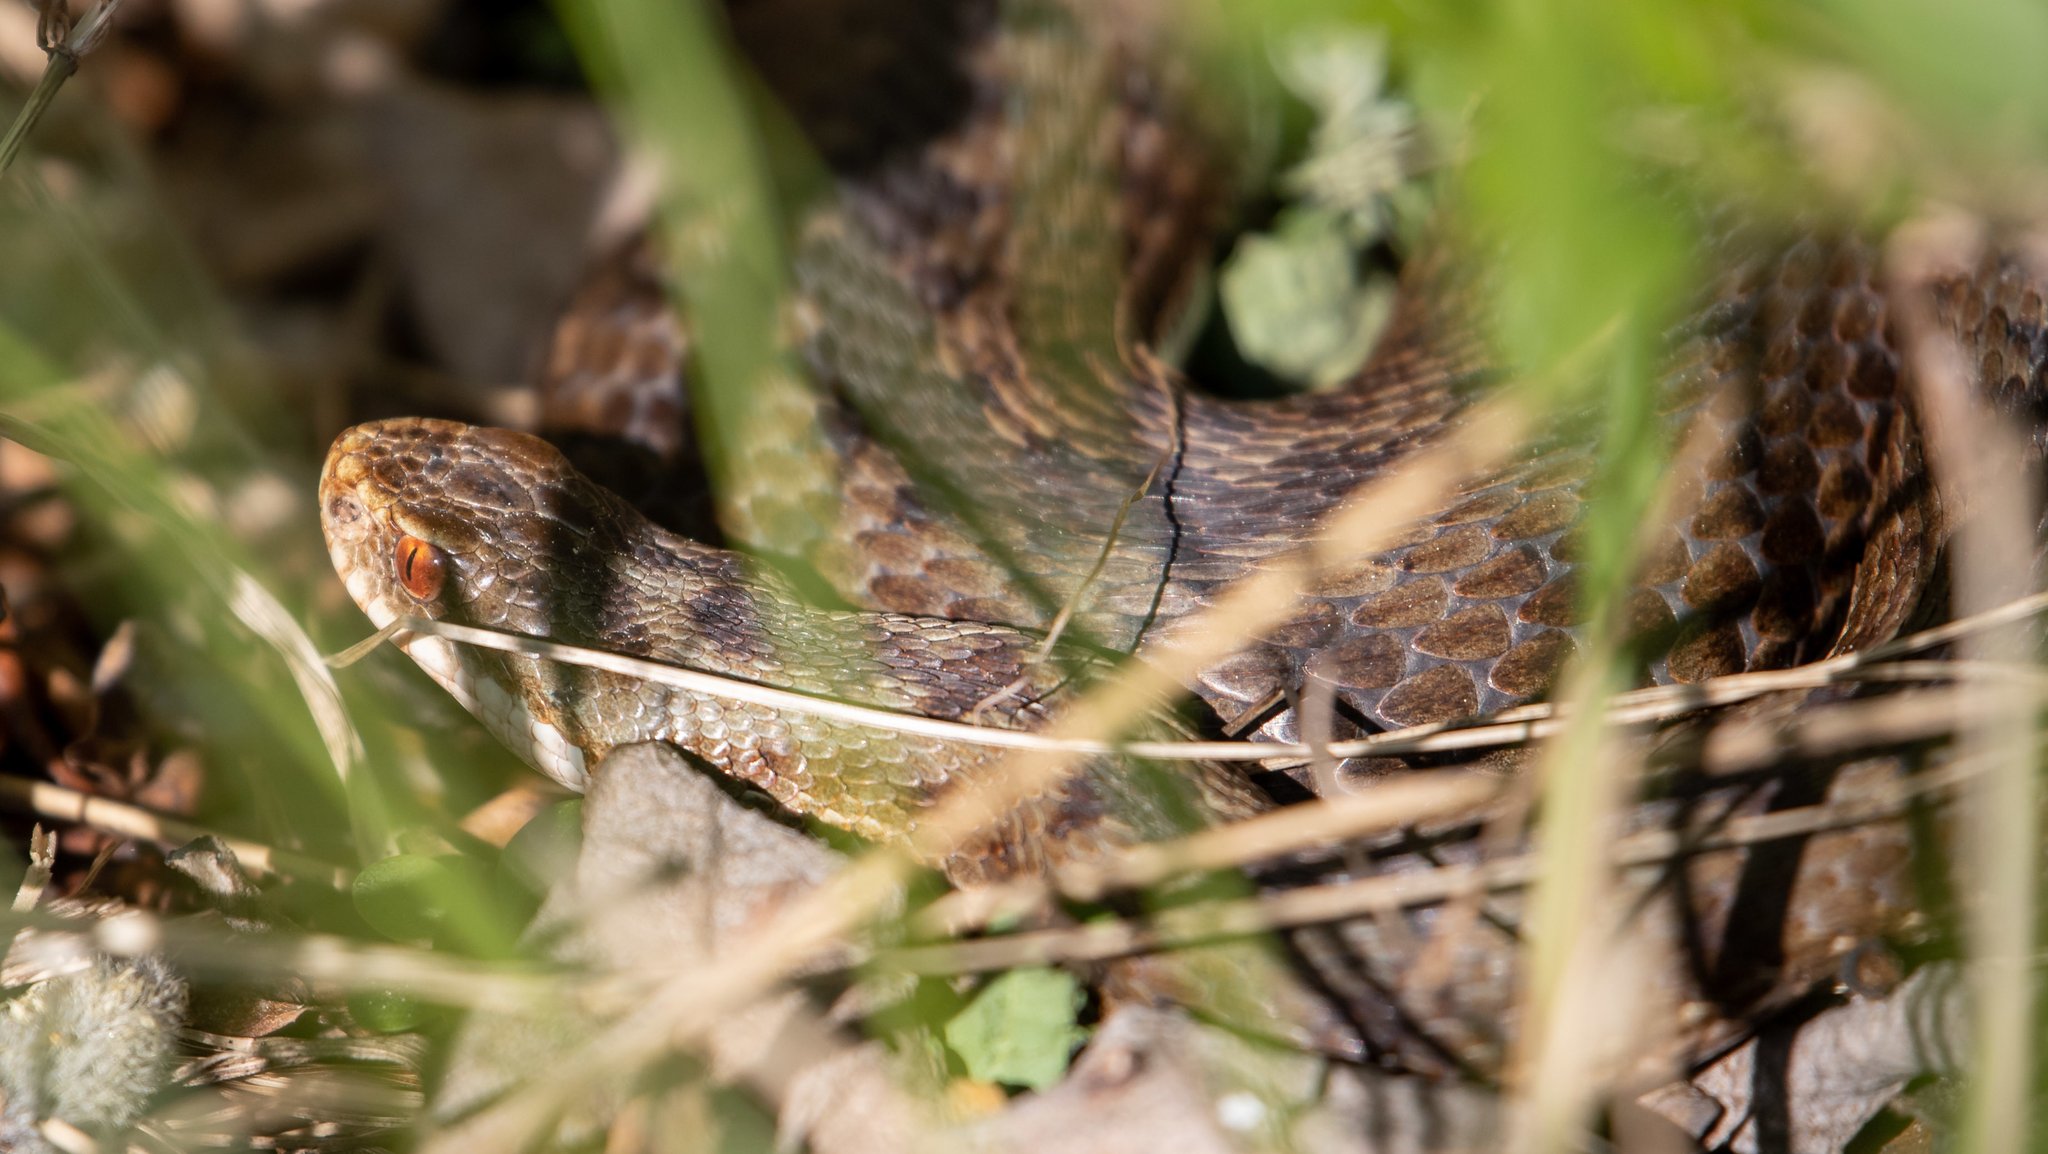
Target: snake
[987, 437]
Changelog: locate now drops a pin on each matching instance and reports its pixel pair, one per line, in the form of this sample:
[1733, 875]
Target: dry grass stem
[1834, 730]
[1364, 524]
[42, 857]
[1571, 970]
[349, 965]
[1311, 825]
[1316, 711]
[66, 1137]
[1514, 726]
[1388, 805]
[1747, 745]
[258, 609]
[203, 946]
[1650, 851]
[1975, 460]
[679, 1013]
[54, 801]
[1072, 605]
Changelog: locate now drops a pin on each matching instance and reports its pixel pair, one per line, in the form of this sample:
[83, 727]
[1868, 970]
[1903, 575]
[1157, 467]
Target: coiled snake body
[980, 314]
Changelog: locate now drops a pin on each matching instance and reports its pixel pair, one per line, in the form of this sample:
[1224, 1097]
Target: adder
[990, 434]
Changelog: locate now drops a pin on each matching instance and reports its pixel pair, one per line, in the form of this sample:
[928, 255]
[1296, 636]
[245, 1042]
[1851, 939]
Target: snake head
[475, 526]
[450, 521]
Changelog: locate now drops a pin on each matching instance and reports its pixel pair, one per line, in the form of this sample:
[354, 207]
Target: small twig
[1315, 905]
[257, 608]
[65, 45]
[1388, 805]
[1317, 714]
[42, 858]
[1746, 746]
[688, 1004]
[1515, 726]
[1060, 621]
[54, 801]
[202, 946]
[1979, 465]
[100, 861]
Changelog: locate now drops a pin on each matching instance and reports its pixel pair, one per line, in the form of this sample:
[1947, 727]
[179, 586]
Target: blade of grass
[1974, 459]
[111, 478]
[78, 40]
[665, 67]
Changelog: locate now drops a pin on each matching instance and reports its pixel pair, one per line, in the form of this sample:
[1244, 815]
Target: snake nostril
[344, 510]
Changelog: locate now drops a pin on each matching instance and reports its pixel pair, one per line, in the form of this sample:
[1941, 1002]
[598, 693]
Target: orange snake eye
[421, 568]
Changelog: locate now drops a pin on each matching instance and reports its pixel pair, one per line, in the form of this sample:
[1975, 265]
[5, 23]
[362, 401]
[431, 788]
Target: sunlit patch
[363, 588]
[505, 714]
[438, 657]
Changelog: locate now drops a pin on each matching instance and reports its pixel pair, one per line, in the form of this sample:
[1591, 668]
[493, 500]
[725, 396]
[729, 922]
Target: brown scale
[1476, 613]
[615, 365]
[1750, 930]
[1813, 532]
[519, 541]
[1481, 602]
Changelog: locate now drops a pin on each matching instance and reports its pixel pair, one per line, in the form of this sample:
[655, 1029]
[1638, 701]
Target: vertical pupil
[419, 568]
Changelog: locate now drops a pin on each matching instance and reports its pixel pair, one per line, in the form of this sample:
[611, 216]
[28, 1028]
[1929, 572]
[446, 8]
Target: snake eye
[421, 568]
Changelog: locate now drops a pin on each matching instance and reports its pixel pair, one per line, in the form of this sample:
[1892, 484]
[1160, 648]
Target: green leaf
[1295, 303]
[402, 896]
[1020, 1029]
[386, 1011]
[447, 899]
[1358, 156]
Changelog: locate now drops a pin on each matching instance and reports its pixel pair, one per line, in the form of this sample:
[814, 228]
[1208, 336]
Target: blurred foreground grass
[1577, 142]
